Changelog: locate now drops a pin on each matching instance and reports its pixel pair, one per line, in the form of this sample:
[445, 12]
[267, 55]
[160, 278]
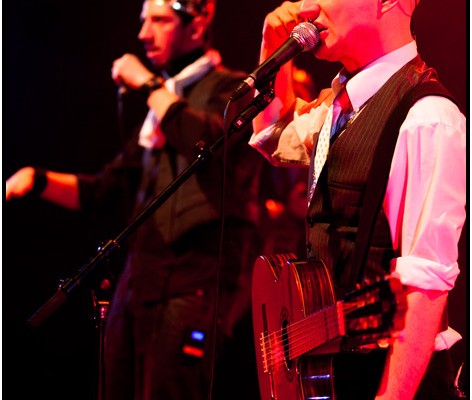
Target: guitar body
[286, 291]
[298, 324]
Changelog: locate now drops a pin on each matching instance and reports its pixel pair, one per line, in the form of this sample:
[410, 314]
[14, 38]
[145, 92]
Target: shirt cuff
[265, 141]
[425, 274]
[446, 339]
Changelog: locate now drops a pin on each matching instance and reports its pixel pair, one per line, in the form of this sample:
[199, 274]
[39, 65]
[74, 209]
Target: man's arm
[60, 188]
[276, 30]
[411, 352]
[425, 206]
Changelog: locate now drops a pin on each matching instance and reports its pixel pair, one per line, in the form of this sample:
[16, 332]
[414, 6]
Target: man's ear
[198, 26]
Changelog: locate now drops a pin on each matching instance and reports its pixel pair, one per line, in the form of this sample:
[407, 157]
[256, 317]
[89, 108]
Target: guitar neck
[316, 330]
[303, 336]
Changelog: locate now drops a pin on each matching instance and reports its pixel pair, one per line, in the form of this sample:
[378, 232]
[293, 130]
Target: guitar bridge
[267, 360]
[266, 348]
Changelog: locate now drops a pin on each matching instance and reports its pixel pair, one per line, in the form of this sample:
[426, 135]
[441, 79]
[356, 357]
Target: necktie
[340, 111]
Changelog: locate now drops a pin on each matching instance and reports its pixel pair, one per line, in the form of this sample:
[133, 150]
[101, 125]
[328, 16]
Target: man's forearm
[411, 352]
[62, 189]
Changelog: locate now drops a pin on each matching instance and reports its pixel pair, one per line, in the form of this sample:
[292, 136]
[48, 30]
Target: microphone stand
[68, 286]
[101, 305]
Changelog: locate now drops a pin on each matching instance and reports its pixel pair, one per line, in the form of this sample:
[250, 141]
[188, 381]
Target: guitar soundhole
[285, 345]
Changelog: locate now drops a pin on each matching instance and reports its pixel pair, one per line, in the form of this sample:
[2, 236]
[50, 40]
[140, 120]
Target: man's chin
[155, 59]
[157, 65]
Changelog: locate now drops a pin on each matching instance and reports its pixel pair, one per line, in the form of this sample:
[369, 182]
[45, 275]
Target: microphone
[304, 37]
[122, 90]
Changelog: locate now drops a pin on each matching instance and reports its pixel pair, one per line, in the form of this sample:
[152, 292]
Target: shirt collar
[179, 64]
[365, 83]
[193, 72]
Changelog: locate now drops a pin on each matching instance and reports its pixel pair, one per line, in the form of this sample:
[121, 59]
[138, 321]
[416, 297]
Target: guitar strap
[380, 168]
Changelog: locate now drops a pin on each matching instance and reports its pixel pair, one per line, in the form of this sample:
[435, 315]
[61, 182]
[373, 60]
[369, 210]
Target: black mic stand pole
[68, 286]
[101, 306]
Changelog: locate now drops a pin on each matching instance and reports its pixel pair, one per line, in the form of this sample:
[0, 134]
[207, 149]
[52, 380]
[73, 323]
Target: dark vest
[198, 200]
[333, 214]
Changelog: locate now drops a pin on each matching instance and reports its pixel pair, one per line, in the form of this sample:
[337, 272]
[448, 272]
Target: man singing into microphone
[159, 334]
[421, 213]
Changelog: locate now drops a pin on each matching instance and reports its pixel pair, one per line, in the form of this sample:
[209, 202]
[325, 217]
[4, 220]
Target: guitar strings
[275, 342]
[297, 337]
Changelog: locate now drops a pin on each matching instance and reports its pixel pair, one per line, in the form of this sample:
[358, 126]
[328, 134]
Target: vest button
[308, 246]
[311, 221]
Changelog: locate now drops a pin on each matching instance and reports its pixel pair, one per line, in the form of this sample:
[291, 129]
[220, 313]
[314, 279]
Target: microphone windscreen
[306, 34]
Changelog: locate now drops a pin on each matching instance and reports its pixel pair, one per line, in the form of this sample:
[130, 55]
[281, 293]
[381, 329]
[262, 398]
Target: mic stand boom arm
[65, 289]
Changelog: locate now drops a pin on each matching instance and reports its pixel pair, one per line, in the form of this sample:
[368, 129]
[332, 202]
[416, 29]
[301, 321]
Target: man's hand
[279, 24]
[20, 183]
[277, 27]
[129, 71]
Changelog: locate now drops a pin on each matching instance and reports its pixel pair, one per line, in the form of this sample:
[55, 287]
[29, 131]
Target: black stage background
[60, 112]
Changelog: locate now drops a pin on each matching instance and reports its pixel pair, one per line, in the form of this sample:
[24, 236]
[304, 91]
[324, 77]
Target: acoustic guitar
[299, 325]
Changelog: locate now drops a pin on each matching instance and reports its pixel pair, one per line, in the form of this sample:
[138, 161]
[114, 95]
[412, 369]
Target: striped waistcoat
[333, 214]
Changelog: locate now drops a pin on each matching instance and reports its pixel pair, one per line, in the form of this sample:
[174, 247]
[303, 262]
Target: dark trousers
[151, 353]
[438, 380]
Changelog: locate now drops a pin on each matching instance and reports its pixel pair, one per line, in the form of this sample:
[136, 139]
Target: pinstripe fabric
[333, 213]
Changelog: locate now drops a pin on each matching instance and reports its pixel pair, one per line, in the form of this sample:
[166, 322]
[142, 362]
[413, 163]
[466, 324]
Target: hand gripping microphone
[304, 37]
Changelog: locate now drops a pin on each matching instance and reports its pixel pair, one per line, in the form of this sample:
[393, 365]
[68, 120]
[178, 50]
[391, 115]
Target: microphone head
[307, 36]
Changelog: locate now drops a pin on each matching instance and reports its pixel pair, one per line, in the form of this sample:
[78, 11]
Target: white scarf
[151, 135]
